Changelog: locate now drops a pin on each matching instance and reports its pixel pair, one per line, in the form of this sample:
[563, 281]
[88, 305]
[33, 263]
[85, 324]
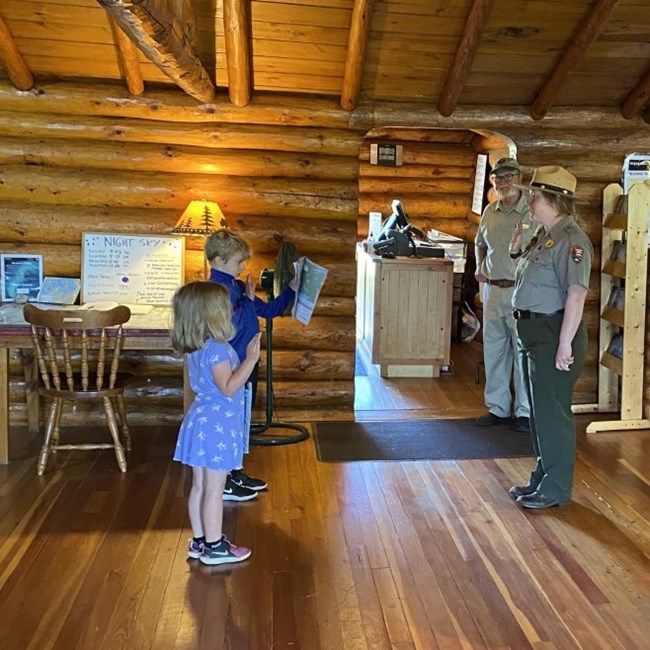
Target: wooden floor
[368, 555]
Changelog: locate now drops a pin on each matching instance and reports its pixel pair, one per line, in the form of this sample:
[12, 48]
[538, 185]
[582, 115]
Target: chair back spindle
[78, 355]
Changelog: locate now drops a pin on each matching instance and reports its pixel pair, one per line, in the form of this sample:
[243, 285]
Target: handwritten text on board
[134, 269]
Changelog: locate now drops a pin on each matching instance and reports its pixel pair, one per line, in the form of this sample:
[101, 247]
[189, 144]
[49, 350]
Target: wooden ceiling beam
[19, 73]
[637, 99]
[238, 34]
[457, 75]
[356, 53]
[583, 37]
[129, 60]
[155, 28]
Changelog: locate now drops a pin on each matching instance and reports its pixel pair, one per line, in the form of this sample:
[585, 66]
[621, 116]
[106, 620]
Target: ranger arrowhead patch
[577, 253]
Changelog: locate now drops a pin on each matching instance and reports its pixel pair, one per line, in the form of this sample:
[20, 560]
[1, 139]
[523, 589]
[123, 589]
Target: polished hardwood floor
[367, 555]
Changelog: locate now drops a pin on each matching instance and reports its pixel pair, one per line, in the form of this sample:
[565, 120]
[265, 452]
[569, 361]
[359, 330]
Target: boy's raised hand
[250, 287]
[253, 347]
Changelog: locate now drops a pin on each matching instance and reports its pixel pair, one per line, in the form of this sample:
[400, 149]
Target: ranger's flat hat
[554, 180]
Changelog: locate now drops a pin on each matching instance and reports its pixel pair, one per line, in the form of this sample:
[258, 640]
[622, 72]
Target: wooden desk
[404, 313]
[142, 332]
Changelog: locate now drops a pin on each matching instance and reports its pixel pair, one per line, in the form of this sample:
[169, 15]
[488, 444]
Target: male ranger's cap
[504, 164]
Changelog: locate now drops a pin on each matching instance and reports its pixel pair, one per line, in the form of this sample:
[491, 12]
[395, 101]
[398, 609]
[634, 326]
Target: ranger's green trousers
[550, 391]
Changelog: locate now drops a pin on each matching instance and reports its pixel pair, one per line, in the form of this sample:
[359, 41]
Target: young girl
[214, 433]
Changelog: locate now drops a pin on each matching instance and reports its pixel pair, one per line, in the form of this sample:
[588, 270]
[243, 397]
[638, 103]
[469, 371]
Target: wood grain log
[415, 186]
[163, 403]
[175, 159]
[222, 136]
[322, 333]
[417, 206]
[407, 135]
[33, 224]
[174, 106]
[416, 170]
[428, 154]
[276, 197]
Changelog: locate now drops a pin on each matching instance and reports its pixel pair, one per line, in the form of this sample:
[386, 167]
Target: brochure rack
[620, 374]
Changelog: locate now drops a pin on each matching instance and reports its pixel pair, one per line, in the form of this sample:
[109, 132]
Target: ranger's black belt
[504, 284]
[523, 314]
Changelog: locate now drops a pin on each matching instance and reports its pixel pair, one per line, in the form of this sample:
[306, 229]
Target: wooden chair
[78, 354]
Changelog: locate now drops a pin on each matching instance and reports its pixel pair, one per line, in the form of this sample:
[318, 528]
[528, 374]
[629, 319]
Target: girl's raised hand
[250, 287]
[253, 347]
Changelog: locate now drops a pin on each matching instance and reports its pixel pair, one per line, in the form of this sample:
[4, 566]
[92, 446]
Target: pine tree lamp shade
[199, 219]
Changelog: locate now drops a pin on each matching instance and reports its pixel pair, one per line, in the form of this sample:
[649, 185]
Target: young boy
[227, 254]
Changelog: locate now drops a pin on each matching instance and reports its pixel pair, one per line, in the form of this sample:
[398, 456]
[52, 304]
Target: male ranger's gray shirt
[495, 232]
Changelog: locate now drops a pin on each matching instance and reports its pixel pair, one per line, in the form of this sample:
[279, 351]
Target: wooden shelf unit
[620, 380]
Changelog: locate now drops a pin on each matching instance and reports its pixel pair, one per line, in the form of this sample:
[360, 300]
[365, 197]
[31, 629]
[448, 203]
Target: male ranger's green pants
[550, 391]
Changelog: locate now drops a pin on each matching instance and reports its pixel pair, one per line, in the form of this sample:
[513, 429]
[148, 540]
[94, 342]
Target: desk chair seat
[78, 354]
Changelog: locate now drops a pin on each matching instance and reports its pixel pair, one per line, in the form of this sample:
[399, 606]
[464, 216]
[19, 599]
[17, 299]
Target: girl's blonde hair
[202, 310]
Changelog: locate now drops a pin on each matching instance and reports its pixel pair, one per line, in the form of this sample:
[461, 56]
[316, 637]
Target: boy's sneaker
[194, 549]
[224, 553]
[234, 492]
[244, 480]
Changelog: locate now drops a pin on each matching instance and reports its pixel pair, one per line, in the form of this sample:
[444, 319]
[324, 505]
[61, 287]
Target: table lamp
[199, 219]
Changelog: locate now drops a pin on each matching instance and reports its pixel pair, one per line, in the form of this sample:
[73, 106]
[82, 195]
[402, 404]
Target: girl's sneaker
[224, 552]
[194, 549]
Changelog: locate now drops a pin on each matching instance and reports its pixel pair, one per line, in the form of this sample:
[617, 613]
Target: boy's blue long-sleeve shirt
[245, 312]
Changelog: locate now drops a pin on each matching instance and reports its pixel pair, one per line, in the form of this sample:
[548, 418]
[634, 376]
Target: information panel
[132, 269]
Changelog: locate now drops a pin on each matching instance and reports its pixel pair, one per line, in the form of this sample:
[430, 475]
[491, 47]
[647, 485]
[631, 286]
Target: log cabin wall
[69, 164]
[434, 183]
[75, 159]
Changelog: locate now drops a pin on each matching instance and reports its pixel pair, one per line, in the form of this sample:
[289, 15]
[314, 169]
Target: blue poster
[21, 275]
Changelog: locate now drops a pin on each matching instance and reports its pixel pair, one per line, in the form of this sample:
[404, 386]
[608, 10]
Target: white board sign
[479, 183]
[132, 269]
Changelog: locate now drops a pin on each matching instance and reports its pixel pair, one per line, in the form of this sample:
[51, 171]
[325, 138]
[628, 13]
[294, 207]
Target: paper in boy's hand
[310, 278]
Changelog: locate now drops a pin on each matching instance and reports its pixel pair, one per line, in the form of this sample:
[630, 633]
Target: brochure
[21, 275]
[59, 291]
[311, 277]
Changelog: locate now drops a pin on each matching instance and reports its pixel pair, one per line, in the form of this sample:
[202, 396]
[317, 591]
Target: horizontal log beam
[411, 186]
[173, 106]
[229, 136]
[452, 205]
[417, 170]
[112, 100]
[299, 198]
[427, 154]
[40, 224]
[175, 159]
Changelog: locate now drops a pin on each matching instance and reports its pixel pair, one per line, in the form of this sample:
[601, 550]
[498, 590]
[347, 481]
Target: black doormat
[338, 442]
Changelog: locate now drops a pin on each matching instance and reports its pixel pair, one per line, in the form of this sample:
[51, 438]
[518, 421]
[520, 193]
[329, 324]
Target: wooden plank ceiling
[538, 54]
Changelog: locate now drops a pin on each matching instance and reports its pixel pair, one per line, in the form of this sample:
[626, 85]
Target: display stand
[622, 325]
[258, 435]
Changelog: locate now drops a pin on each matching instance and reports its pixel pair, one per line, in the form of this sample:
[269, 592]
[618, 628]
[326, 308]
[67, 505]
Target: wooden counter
[404, 308]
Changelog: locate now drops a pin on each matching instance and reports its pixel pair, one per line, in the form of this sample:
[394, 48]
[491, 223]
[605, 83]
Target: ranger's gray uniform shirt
[495, 232]
[558, 260]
